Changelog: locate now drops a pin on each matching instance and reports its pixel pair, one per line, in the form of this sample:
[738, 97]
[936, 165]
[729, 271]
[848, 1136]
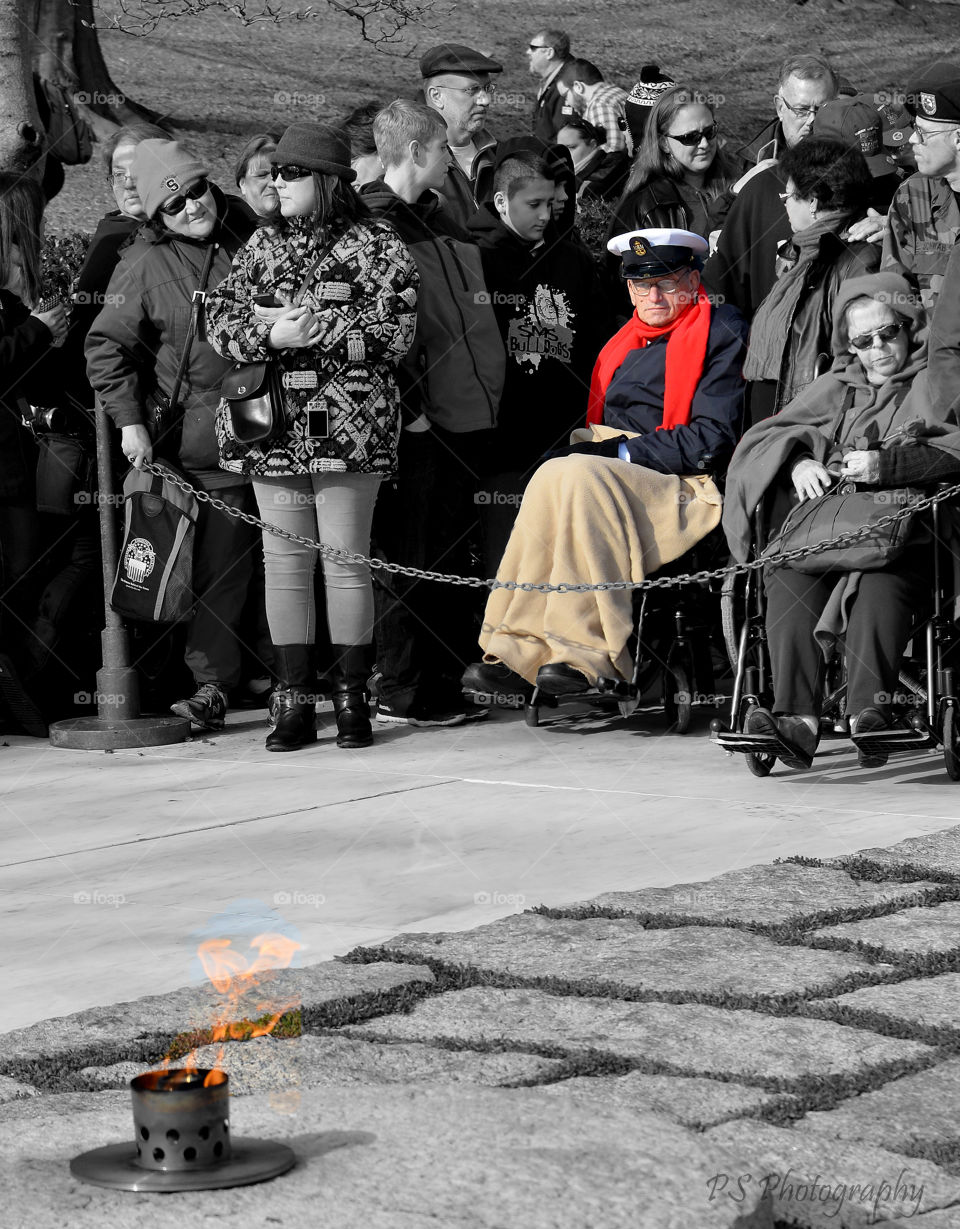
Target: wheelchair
[674, 630]
[927, 715]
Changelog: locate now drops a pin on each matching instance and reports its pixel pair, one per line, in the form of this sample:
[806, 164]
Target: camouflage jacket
[923, 226]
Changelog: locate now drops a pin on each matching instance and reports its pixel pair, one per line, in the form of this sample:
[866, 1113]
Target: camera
[318, 424]
[267, 300]
[54, 418]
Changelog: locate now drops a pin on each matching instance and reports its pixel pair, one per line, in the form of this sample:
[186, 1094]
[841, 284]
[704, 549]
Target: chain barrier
[477, 582]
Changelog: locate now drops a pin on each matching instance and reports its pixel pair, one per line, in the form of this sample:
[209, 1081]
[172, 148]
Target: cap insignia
[929, 103]
[638, 247]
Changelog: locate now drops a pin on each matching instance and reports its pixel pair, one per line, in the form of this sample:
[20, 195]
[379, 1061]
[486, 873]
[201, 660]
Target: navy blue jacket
[634, 402]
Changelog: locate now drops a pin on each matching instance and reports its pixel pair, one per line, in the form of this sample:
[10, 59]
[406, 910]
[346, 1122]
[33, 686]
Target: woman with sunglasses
[345, 288]
[870, 420]
[828, 188]
[681, 175]
[134, 349]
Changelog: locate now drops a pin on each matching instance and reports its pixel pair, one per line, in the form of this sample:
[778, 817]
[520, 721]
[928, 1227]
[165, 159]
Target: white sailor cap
[656, 251]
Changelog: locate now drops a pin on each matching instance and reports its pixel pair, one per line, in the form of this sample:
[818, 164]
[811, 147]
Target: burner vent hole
[144, 1133]
[204, 1132]
[189, 1154]
[158, 1154]
[218, 1149]
[173, 1136]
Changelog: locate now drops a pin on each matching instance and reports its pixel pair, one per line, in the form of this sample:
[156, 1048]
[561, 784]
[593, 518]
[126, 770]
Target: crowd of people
[466, 385]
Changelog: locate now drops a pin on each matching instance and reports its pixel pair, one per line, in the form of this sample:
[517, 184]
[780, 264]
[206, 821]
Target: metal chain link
[477, 582]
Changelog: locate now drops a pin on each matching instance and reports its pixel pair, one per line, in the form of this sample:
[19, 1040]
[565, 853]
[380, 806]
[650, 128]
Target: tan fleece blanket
[589, 519]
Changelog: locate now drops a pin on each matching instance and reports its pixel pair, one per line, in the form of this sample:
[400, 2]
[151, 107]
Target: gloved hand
[599, 448]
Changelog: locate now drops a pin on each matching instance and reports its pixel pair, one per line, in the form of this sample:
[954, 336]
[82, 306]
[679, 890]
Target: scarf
[770, 332]
[686, 350]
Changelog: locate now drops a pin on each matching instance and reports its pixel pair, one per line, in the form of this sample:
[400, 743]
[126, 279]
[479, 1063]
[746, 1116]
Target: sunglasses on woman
[879, 337]
[177, 204]
[288, 173]
[694, 137]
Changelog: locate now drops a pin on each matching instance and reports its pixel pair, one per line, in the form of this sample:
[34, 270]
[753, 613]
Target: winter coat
[670, 203]
[463, 193]
[553, 319]
[634, 402]
[362, 287]
[548, 114]
[25, 348]
[135, 344]
[744, 266]
[945, 342]
[803, 348]
[923, 229]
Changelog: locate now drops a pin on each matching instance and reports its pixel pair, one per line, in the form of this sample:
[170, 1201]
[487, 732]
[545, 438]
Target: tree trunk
[68, 51]
[20, 131]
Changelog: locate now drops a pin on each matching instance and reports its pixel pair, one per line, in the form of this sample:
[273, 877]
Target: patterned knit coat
[364, 294]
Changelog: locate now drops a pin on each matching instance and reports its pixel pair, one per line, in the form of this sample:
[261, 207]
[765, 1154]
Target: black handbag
[840, 512]
[66, 474]
[254, 396]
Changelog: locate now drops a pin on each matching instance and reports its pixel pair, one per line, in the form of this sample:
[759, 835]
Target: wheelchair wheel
[951, 743]
[677, 697]
[759, 763]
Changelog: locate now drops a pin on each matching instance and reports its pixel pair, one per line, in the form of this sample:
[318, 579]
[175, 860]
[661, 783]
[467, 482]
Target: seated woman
[666, 400]
[828, 189]
[870, 420]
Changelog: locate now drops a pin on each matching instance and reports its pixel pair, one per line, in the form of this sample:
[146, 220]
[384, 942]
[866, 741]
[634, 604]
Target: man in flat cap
[666, 402]
[924, 218]
[456, 82]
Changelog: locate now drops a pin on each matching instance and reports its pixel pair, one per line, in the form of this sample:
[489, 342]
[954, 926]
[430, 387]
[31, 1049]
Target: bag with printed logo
[154, 580]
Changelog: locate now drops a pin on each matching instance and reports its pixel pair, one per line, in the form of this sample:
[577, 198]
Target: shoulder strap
[198, 300]
[298, 297]
[844, 409]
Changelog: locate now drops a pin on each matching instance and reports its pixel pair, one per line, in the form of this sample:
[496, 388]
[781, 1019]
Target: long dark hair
[652, 161]
[338, 206]
[21, 215]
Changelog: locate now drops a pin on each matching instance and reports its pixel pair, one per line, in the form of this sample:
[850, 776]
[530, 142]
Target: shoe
[293, 706]
[424, 716]
[206, 708]
[498, 681]
[351, 704]
[869, 721]
[559, 679]
[796, 742]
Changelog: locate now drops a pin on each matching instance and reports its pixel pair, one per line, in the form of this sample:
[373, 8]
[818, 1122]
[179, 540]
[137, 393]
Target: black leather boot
[351, 704]
[295, 701]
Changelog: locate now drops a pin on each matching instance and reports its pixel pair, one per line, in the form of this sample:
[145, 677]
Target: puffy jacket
[135, 344]
[362, 287]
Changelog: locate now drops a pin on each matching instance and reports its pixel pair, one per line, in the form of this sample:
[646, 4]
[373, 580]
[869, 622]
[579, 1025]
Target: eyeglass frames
[695, 136]
[800, 112]
[178, 203]
[666, 285]
[879, 337]
[924, 134]
[472, 91]
[288, 172]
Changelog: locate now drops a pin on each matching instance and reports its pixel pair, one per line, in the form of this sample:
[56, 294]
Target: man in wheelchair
[870, 421]
[635, 491]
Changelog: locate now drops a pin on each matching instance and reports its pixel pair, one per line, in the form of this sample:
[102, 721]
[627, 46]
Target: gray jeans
[335, 509]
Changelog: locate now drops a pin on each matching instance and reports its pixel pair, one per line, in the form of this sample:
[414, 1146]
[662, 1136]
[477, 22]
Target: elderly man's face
[797, 102]
[463, 100]
[660, 300]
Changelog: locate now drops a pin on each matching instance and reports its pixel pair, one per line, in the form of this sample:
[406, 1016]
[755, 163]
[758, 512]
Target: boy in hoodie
[450, 385]
[553, 318]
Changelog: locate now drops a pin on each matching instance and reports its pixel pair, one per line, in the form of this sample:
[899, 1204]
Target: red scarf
[686, 351]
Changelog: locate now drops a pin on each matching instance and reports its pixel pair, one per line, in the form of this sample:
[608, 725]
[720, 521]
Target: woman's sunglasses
[178, 203]
[289, 173]
[865, 341]
[695, 137]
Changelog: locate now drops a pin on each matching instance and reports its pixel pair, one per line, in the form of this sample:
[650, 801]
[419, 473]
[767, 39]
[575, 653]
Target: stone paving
[778, 1046]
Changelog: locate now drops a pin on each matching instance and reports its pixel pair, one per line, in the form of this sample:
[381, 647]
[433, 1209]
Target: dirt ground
[219, 81]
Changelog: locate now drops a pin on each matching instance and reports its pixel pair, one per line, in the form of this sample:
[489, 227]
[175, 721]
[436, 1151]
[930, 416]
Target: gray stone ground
[776, 1046]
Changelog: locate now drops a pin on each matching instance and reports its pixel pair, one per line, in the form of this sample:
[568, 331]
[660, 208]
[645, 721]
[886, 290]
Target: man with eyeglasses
[743, 268]
[456, 82]
[547, 52]
[924, 218]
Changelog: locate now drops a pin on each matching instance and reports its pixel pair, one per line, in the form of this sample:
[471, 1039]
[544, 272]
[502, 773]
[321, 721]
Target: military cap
[657, 251]
[935, 92]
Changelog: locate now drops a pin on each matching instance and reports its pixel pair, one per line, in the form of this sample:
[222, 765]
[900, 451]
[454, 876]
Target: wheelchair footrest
[894, 740]
[756, 744]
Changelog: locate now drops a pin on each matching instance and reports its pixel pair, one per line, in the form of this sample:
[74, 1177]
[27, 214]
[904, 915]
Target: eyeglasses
[288, 172]
[694, 137]
[666, 285]
[924, 134]
[472, 91]
[789, 196]
[800, 112]
[879, 337]
[537, 47]
[121, 176]
[178, 203]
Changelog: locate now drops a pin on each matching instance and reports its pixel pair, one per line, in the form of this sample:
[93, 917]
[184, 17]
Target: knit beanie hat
[317, 147]
[645, 93]
[162, 169]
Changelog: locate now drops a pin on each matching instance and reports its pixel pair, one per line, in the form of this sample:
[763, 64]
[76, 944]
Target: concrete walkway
[113, 865]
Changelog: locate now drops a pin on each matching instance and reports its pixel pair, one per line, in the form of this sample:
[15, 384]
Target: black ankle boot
[350, 701]
[295, 701]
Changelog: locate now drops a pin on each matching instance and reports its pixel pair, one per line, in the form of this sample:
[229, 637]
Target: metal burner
[182, 1140]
